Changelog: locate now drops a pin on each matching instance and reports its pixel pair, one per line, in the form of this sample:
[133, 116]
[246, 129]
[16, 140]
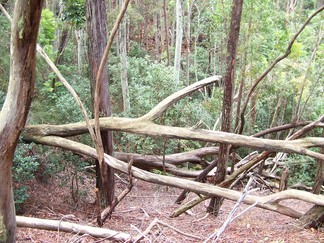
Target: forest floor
[146, 202]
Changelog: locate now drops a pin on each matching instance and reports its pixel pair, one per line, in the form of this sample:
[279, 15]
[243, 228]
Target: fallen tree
[58, 225]
[269, 202]
[53, 135]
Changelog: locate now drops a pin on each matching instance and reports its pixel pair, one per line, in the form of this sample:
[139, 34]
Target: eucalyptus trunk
[123, 59]
[14, 113]
[179, 34]
[97, 32]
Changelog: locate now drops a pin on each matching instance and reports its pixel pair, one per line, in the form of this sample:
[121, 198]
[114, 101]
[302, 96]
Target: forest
[161, 121]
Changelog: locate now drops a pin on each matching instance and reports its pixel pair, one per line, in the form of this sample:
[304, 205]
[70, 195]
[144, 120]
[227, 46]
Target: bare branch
[163, 105]
[137, 126]
[270, 202]
[156, 222]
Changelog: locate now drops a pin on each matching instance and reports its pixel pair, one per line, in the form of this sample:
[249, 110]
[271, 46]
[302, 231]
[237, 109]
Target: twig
[58, 228]
[142, 235]
[156, 222]
[79, 238]
[198, 220]
[215, 236]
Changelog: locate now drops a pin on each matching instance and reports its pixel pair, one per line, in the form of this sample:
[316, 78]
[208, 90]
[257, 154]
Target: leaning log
[313, 218]
[269, 202]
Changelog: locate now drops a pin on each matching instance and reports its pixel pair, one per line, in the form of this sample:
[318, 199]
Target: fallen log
[194, 156]
[58, 225]
[269, 202]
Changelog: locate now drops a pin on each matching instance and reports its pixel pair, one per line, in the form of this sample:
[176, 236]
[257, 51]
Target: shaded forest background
[144, 55]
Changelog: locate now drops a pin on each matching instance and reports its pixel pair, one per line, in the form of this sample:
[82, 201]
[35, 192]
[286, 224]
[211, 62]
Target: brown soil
[145, 203]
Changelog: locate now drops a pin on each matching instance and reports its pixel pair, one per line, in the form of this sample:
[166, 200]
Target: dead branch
[270, 202]
[156, 222]
[56, 225]
[245, 167]
[138, 126]
[215, 236]
[281, 128]
[166, 103]
[193, 156]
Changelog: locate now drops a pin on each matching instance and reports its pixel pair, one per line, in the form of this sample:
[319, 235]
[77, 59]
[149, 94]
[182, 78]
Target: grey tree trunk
[14, 113]
[179, 34]
[123, 59]
[166, 28]
[97, 32]
[78, 37]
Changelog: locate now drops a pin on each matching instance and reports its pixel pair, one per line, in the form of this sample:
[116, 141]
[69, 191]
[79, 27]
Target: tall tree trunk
[254, 98]
[188, 41]
[123, 59]
[78, 37]
[216, 202]
[60, 50]
[166, 30]
[178, 47]
[13, 115]
[97, 32]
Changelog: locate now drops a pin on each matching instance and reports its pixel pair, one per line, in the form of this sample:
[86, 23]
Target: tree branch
[56, 225]
[270, 202]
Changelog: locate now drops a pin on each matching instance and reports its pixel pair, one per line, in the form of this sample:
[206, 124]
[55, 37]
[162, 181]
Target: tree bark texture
[123, 60]
[215, 203]
[269, 202]
[59, 225]
[179, 34]
[166, 28]
[97, 32]
[13, 115]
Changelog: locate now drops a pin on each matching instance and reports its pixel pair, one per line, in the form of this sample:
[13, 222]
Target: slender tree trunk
[188, 41]
[319, 178]
[166, 30]
[78, 37]
[123, 59]
[156, 36]
[253, 112]
[232, 43]
[314, 217]
[60, 50]
[96, 18]
[13, 115]
[309, 64]
[179, 34]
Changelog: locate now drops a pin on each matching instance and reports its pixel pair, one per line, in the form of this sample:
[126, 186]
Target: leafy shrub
[25, 164]
[302, 170]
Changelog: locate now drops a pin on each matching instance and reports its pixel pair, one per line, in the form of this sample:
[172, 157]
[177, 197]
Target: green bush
[301, 170]
[25, 164]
